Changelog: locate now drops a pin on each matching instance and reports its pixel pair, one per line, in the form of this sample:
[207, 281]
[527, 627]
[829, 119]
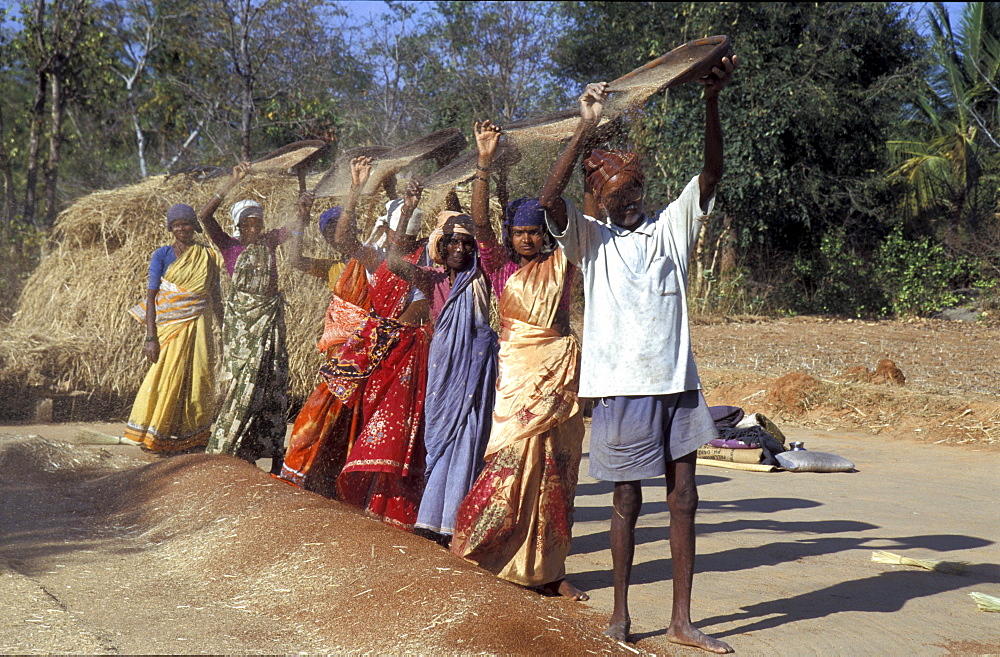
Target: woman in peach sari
[516, 521]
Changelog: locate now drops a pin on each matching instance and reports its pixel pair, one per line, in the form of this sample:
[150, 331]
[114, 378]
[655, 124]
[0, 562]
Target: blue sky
[359, 10]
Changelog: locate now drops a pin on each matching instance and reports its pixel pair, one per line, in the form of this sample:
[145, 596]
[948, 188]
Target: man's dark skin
[621, 200]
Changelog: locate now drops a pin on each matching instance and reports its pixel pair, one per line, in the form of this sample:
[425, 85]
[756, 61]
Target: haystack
[71, 334]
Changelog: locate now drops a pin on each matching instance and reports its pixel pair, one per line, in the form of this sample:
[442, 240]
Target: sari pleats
[175, 405]
[461, 381]
[252, 420]
[517, 520]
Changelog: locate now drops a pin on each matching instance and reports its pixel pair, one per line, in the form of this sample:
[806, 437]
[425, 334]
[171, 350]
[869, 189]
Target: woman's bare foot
[691, 636]
[566, 590]
[618, 628]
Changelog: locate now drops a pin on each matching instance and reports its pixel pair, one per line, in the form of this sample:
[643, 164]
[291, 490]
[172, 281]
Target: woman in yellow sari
[516, 521]
[175, 406]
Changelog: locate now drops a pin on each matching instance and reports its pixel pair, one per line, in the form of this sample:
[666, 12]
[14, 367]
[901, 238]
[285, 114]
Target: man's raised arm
[591, 108]
[711, 173]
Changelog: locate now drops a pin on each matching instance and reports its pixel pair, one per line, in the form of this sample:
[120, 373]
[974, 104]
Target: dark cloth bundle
[730, 436]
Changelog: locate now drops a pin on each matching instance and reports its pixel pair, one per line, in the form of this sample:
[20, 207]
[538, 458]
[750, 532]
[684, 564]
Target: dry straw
[71, 331]
[986, 602]
[950, 567]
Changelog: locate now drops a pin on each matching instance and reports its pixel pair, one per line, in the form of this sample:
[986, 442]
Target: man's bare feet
[618, 628]
[689, 635]
[565, 589]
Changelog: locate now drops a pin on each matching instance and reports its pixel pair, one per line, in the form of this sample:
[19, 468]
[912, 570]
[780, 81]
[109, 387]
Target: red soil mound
[789, 392]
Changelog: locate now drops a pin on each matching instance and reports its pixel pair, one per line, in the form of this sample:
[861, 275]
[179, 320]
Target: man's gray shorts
[632, 438]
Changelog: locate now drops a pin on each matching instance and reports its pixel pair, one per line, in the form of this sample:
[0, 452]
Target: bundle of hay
[71, 331]
[950, 567]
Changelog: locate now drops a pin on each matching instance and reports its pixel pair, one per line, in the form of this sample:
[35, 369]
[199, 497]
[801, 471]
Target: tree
[397, 53]
[53, 40]
[950, 139]
[819, 90]
[495, 61]
[6, 167]
[138, 28]
[271, 47]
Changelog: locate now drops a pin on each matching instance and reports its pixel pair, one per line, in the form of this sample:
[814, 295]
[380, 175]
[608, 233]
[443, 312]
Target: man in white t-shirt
[649, 416]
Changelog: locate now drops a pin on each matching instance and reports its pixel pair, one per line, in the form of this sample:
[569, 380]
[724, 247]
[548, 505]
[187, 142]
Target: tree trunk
[140, 136]
[6, 170]
[245, 123]
[34, 141]
[247, 73]
[55, 144]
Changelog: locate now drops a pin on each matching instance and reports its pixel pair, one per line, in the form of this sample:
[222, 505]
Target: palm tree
[953, 121]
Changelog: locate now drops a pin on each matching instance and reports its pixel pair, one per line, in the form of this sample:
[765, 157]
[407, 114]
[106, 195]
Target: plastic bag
[806, 461]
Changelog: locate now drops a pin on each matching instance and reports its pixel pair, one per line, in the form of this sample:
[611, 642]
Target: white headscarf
[240, 210]
[388, 223]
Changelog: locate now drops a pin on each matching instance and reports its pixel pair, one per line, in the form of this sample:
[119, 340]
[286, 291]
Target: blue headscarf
[329, 215]
[182, 211]
[524, 211]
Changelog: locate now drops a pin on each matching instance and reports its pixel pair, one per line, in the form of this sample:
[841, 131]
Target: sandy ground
[105, 551]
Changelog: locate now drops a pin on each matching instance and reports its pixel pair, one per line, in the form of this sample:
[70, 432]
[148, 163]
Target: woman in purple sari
[462, 367]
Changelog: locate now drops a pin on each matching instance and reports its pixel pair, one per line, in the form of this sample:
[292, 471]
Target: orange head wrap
[448, 222]
[602, 166]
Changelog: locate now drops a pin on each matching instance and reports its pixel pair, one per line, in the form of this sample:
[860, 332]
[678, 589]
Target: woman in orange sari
[516, 521]
[325, 428]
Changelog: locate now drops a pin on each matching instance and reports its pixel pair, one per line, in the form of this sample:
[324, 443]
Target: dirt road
[108, 556]
[784, 563]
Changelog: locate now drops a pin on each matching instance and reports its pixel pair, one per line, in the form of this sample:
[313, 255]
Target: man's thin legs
[682, 500]
[627, 500]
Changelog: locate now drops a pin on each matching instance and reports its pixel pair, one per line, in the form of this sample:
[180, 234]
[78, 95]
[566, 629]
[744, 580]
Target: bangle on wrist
[482, 178]
[151, 338]
[483, 169]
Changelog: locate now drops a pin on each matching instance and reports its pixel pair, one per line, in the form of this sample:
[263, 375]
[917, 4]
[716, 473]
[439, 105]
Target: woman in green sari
[252, 420]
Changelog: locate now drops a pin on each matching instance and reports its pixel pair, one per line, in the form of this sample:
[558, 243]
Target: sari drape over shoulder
[516, 521]
[175, 405]
[252, 420]
[384, 471]
[325, 428]
[461, 379]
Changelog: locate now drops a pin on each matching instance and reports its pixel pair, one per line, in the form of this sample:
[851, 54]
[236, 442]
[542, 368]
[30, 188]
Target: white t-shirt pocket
[663, 274]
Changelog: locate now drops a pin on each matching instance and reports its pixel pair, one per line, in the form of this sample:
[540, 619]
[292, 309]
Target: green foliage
[805, 119]
[837, 279]
[918, 275]
[946, 148]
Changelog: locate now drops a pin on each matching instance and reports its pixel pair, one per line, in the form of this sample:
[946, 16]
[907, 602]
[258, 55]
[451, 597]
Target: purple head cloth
[329, 215]
[182, 211]
[524, 211]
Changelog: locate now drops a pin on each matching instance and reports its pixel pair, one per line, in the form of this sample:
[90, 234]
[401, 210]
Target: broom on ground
[986, 602]
[950, 567]
[91, 437]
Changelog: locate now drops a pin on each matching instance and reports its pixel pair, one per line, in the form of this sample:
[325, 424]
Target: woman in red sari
[384, 365]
